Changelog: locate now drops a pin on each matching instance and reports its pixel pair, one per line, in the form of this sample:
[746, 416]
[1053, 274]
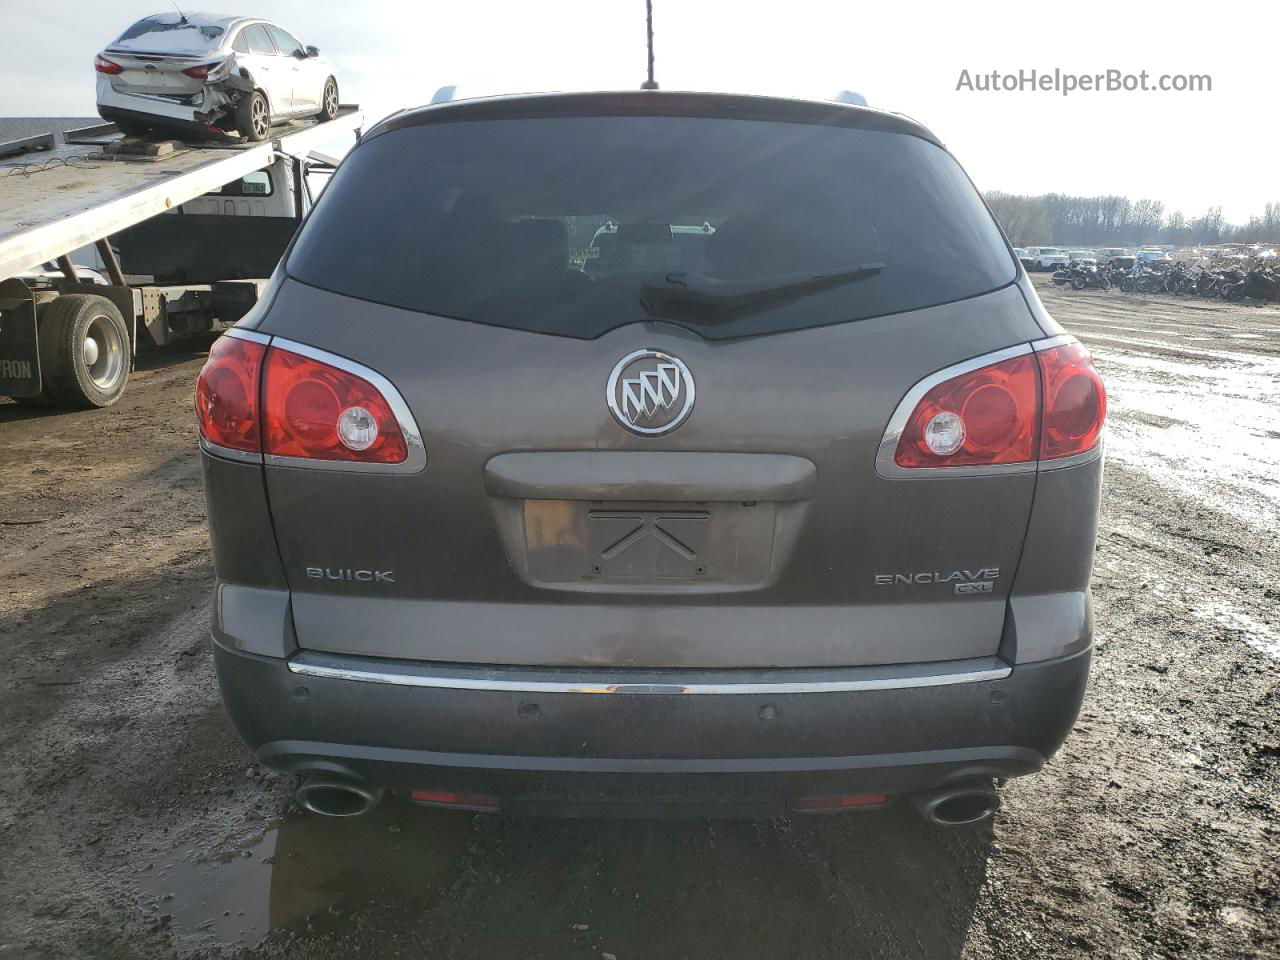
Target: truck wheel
[329, 100]
[84, 351]
[253, 116]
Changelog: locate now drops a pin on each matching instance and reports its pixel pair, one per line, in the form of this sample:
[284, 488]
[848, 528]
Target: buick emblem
[650, 392]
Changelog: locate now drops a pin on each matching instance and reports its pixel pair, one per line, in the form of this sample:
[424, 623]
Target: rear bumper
[114, 105]
[546, 748]
[153, 120]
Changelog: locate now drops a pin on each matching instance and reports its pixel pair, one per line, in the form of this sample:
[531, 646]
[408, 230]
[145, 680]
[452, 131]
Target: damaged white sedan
[212, 73]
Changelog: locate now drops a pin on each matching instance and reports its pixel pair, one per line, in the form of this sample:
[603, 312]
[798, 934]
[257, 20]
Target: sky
[1190, 150]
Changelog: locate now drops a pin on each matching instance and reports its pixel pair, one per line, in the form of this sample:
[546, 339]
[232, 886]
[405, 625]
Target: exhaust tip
[959, 805]
[337, 796]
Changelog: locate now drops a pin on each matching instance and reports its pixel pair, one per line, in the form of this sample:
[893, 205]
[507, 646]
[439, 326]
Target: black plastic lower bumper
[571, 751]
[199, 123]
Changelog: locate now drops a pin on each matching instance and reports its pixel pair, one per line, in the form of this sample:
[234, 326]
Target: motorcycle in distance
[1214, 281]
[1079, 275]
[1149, 279]
[1227, 279]
[1125, 273]
[1258, 284]
[1179, 280]
[1063, 277]
[1206, 283]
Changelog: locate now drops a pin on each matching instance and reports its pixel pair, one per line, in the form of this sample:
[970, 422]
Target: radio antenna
[650, 84]
[182, 17]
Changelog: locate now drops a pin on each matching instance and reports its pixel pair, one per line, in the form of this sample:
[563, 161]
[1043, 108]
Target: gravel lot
[134, 824]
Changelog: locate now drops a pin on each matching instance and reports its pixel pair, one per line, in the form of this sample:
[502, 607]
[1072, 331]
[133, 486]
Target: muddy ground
[134, 824]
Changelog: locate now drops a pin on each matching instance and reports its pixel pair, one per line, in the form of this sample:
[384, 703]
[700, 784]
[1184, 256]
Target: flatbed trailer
[70, 342]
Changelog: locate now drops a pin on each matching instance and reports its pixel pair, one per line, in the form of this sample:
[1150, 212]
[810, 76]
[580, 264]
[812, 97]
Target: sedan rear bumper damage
[542, 747]
[151, 107]
[205, 107]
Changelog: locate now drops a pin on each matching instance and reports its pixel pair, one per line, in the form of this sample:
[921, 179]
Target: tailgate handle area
[644, 475]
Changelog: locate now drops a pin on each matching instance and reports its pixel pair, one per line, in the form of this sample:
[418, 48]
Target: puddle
[1216, 440]
[303, 873]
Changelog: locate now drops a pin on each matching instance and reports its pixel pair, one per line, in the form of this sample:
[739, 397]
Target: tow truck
[187, 235]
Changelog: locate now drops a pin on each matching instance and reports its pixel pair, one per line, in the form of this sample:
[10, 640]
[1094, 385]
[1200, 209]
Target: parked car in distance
[1024, 257]
[1047, 258]
[1150, 257]
[196, 71]
[803, 526]
[1110, 253]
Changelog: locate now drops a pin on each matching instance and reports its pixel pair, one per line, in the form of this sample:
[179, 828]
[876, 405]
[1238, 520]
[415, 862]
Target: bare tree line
[1062, 220]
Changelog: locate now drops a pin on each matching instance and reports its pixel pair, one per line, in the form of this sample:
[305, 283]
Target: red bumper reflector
[465, 801]
[821, 804]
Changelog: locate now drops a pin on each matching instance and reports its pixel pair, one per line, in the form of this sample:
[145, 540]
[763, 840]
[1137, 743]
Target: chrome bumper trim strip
[646, 682]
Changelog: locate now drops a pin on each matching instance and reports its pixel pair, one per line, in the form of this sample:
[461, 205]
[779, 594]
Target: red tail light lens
[103, 65]
[201, 72]
[227, 394]
[1043, 405]
[317, 411]
[984, 417]
[1075, 401]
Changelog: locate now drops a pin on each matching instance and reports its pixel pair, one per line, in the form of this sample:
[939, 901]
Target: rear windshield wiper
[710, 299]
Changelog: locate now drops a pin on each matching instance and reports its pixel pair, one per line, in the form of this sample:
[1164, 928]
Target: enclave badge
[650, 392]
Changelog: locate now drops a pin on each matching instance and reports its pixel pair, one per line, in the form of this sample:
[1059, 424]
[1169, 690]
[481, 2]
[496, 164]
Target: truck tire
[84, 351]
[253, 116]
[329, 100]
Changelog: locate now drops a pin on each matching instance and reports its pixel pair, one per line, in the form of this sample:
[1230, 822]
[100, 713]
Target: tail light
[1075, 401]
[201, 72]
[1026, 405]
[316, 411]
[227, 395]
[984, 417]
[103, 65]
[283, 400]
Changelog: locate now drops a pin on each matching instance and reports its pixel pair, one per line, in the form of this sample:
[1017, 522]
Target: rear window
[170, 33]
[576, 225]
